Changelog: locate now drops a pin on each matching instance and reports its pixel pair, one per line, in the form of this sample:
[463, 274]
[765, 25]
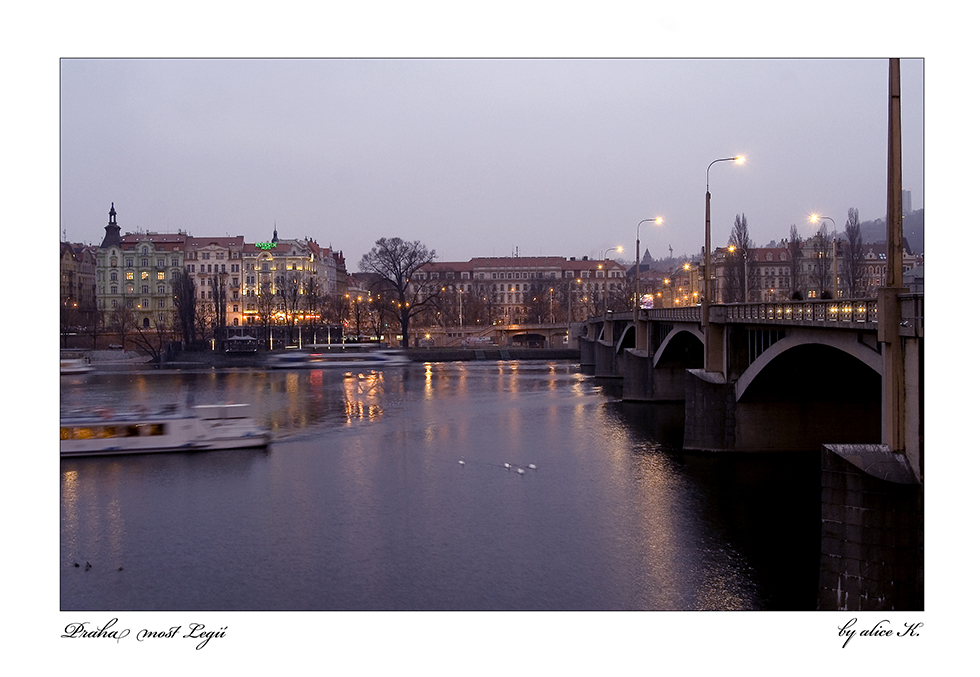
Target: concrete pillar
[642, 335]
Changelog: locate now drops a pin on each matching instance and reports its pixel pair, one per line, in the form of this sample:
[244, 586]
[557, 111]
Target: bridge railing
[811, 311]
[841, 311]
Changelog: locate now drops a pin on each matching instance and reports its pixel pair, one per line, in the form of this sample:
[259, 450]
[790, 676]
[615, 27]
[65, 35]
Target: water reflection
[361, 502]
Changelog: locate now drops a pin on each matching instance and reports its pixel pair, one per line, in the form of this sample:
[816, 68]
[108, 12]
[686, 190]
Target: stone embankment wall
[216, 359]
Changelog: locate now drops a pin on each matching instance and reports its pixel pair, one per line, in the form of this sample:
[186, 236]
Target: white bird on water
[507, 465]
[462, 462]
[520, 471]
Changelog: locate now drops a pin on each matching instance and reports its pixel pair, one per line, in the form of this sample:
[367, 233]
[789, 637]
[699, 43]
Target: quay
[210, 359]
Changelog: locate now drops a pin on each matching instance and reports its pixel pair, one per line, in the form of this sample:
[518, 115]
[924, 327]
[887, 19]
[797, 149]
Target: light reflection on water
[361, 503]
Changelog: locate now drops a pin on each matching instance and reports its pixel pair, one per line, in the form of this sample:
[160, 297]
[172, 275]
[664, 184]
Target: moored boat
[338, 357]
[201, 428]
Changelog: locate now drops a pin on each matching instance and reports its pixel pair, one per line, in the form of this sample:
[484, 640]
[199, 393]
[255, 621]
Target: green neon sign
[265, 245]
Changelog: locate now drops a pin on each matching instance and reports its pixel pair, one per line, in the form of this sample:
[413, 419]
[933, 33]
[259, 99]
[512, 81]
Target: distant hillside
[913, 228]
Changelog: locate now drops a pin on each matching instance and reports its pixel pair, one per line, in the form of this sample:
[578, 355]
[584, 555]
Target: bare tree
[853, 253]
[265, 304]
[795, 246]
[186, 304]
[218, 306]
[153, 340]
[736, 261]
[314, 302]
[538, 302]
[822, 263]
[289, 290]
[397, 261]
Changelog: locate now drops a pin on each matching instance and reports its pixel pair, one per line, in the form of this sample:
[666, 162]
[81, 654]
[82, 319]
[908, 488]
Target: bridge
[817, 366]
[826, 376]
[842, 377]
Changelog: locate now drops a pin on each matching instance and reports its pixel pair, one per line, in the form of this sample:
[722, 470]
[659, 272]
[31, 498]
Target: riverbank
[210, 359]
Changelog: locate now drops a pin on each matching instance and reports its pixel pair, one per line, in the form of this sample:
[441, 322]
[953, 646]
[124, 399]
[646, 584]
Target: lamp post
[636, 299]
[605, 282]
[814, 218]
[706, 298]
[690, 282]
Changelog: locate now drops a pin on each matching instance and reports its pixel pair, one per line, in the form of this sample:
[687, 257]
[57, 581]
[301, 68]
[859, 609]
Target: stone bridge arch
[678, 334]
[849, 344]
[627, 339]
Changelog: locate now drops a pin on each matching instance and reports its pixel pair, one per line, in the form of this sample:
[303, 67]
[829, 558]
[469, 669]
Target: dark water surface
[361, 502]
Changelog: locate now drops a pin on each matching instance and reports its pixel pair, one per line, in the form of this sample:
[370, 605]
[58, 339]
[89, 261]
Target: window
[161, 275]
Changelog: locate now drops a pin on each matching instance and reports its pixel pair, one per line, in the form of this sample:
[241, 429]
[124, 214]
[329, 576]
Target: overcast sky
[480, 157]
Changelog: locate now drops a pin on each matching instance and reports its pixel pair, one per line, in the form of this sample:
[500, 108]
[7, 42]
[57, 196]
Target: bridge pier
[587, 347]
[606, 362]
[872, 532]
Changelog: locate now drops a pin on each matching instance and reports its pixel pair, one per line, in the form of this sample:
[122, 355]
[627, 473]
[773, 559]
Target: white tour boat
[349, 356]
[202, 428]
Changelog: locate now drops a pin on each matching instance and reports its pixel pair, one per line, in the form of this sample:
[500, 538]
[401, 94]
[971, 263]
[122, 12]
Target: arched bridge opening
[679, 349]
[627, 339]
[809, 395]
[529, 340]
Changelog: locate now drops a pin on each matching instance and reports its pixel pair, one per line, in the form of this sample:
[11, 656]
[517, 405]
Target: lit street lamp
[636, 300]
[706, 298]
[605, 284]
[814, 218]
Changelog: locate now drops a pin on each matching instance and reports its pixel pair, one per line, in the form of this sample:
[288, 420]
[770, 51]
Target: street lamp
[706, 298]
[605, 283]
[814, 218]
[636, 300]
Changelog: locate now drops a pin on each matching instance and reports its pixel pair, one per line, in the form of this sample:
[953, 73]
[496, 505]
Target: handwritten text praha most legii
[111, 631]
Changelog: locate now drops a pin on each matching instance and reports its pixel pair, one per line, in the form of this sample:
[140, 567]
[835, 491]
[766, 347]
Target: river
[391, 490]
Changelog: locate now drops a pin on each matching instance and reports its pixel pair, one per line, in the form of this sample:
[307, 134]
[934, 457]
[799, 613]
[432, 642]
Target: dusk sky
[480, 157]
[476, 158]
